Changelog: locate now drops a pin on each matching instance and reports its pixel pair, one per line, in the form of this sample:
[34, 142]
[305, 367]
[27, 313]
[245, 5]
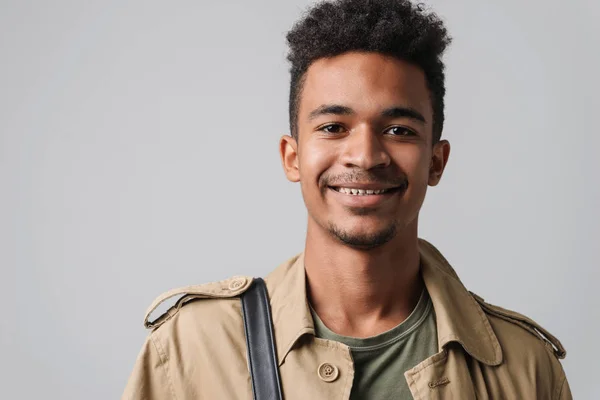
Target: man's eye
[332, 128]
[400, 131]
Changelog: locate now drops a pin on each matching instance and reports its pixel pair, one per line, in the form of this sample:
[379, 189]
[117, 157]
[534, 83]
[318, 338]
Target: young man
[368, 310]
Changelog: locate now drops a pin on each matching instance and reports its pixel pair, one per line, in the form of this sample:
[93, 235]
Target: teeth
[360, 192]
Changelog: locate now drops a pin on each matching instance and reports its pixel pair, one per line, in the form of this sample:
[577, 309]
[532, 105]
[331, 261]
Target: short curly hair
[396, 28]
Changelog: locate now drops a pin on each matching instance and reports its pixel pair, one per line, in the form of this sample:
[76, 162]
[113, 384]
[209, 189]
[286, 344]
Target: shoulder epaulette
[526, 323]
[222, 289]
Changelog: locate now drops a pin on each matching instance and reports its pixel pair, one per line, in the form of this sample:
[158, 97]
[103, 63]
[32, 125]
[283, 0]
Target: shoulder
[200, 335]
[205, 323]
[531, 354]
[529, 351]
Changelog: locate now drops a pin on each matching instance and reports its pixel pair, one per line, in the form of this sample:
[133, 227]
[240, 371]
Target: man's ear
[288, 150]
[439, 159]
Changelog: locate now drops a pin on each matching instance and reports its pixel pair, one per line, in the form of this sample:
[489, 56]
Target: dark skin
[364, 122]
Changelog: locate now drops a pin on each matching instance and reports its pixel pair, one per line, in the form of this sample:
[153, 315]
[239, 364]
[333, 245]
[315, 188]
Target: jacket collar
[459, 318]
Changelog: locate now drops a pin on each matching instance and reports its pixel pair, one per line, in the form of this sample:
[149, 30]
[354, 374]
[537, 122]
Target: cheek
[414, 162]
[314, 161]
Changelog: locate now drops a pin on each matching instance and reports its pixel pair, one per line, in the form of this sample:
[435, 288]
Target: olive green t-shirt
[380, 361]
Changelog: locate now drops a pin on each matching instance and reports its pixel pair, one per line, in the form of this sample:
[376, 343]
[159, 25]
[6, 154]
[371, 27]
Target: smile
[362, 192]
[366, 196]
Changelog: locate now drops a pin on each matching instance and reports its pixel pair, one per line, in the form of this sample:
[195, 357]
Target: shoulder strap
[526, 323]
[262, 355]
[227, 288]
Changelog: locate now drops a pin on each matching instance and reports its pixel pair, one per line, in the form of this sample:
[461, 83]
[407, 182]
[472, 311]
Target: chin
[362, 236]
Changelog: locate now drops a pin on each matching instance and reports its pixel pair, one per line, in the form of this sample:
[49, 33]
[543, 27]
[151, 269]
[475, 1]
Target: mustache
[363, 177]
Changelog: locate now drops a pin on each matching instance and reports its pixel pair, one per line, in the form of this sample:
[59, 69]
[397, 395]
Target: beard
[363, 241]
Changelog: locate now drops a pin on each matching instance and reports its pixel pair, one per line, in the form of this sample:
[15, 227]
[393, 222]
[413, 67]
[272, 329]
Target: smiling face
[364, 155]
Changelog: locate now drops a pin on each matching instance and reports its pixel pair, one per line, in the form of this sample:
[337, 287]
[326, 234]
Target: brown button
[328, 372]
[237, 283]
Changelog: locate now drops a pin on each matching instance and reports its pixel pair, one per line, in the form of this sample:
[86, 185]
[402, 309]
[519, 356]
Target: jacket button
[237, 283]
[328, 372]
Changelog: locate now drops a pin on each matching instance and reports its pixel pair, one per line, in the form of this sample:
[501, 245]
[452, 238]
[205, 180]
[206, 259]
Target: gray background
[138, 152]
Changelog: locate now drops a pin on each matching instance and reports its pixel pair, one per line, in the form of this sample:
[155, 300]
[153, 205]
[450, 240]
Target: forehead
[366, 82]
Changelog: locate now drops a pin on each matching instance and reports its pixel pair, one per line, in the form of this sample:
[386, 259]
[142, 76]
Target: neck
[362, 293]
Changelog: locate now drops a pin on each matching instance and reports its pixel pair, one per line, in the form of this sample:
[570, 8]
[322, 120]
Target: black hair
[396, 28]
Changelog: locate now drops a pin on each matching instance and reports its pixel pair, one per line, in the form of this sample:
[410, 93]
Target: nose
[363, 149]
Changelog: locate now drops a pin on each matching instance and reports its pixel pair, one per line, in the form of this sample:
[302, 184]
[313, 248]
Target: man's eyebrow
[392, 112]
[330, 109]
[403, 112]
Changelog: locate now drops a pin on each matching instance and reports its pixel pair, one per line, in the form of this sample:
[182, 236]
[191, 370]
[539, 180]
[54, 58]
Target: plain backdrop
[139, 152]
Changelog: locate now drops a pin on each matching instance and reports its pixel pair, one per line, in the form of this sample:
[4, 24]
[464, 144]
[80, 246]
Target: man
[368, 310]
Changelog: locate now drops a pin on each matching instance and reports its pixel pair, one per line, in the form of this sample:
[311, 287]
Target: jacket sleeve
[565, 391]
[149, 379]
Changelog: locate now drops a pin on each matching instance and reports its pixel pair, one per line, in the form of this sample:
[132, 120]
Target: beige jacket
[197, 349]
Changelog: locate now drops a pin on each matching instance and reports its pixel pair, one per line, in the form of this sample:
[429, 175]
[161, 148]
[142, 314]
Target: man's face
[364, 126]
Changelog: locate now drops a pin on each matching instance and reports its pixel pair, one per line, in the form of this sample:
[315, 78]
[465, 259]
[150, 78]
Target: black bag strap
[262, 355]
